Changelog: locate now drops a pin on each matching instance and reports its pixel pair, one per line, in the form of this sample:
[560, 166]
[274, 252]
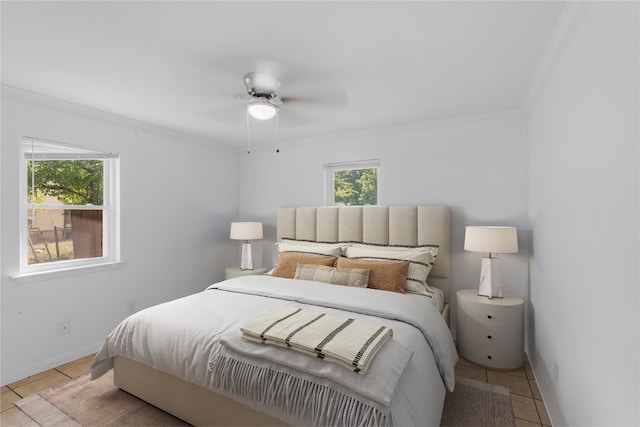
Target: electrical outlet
[131, 307]
[64, 328]
[556, 373]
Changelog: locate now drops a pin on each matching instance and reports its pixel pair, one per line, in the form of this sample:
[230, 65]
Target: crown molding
[569, 21]
[433, 124]
[103, 116]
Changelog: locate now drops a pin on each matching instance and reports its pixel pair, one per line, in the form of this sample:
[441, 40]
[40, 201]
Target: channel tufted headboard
[385, 225]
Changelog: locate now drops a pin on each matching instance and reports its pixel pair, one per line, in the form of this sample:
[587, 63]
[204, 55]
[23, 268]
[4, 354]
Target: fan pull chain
[248, 132]
[277, 130]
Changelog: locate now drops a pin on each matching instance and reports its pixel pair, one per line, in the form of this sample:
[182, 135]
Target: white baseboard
[10, 377]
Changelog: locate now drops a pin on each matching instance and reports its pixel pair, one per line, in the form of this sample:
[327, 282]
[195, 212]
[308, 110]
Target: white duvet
[179, 337]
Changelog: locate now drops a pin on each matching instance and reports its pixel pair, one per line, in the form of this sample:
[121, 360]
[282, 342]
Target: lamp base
[490, 285]
[246, 262]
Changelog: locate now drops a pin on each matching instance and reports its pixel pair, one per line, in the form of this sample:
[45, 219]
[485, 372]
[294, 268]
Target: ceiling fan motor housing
[261, 85]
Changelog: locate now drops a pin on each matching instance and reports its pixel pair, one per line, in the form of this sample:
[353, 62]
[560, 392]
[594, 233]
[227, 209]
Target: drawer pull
[489, 357]
[489, 316]
[489, 337]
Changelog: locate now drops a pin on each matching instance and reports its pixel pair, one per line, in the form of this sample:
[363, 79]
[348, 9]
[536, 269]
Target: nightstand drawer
[501, 337]
[493, 356]
[493, 315]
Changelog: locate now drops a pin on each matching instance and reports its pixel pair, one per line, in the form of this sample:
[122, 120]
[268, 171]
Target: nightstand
[490, 331]
[231, 272]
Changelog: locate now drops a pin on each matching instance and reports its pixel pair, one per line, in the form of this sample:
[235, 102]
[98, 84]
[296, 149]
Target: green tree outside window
[356, 187]
[73, 182]
[77, 183]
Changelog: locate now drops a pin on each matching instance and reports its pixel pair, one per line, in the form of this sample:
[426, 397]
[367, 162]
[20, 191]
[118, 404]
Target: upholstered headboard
[386, 225]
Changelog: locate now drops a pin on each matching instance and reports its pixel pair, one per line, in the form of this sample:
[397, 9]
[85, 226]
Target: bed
[187, 358]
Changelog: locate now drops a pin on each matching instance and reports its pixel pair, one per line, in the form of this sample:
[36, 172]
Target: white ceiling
[357, 65]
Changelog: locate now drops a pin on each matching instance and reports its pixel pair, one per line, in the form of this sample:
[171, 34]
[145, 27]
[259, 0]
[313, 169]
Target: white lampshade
[262, 110]
[491, 239]
[246, 230]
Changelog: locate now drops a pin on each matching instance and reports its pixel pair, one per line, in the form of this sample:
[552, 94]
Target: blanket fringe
[320, 404]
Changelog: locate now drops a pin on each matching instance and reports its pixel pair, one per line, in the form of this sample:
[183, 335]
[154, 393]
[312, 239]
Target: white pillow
[421, 260]
[289, 245]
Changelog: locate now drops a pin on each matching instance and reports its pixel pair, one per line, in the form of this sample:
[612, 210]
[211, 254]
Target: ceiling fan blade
[322, 102]
[216, 88]
[241, 65]
[322, 93]
[295, 80]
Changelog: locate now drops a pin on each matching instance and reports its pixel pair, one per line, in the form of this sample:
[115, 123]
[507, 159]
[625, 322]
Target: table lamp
[246, 231]
[491, 240]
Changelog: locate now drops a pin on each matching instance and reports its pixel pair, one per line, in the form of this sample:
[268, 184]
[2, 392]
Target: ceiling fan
[297, 94]
[263, 90]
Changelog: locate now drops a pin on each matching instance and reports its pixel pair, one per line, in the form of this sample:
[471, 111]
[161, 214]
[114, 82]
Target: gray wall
[175, 231]
[478, 166]
[584, 215]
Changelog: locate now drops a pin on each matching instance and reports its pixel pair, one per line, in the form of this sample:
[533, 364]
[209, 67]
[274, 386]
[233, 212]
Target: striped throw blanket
[351, 343]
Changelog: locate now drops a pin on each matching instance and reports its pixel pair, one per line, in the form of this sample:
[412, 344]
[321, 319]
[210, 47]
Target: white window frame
[331, 168]
[41, 149]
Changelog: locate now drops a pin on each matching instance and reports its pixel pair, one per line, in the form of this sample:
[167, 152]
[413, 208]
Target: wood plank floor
[525, 396]
[11, 393]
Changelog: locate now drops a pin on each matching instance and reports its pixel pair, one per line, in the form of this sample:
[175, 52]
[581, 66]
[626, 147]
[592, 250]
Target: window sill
[65, 272]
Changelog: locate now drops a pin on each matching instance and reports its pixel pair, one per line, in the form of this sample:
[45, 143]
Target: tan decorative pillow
[421, 259]
[385, 275]
[358, 277]
[288, 261]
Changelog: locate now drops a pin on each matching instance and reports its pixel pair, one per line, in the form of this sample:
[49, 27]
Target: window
[69, 207]
[352, 183]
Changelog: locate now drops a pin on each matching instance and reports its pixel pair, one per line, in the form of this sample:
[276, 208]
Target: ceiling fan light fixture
[262, 110]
